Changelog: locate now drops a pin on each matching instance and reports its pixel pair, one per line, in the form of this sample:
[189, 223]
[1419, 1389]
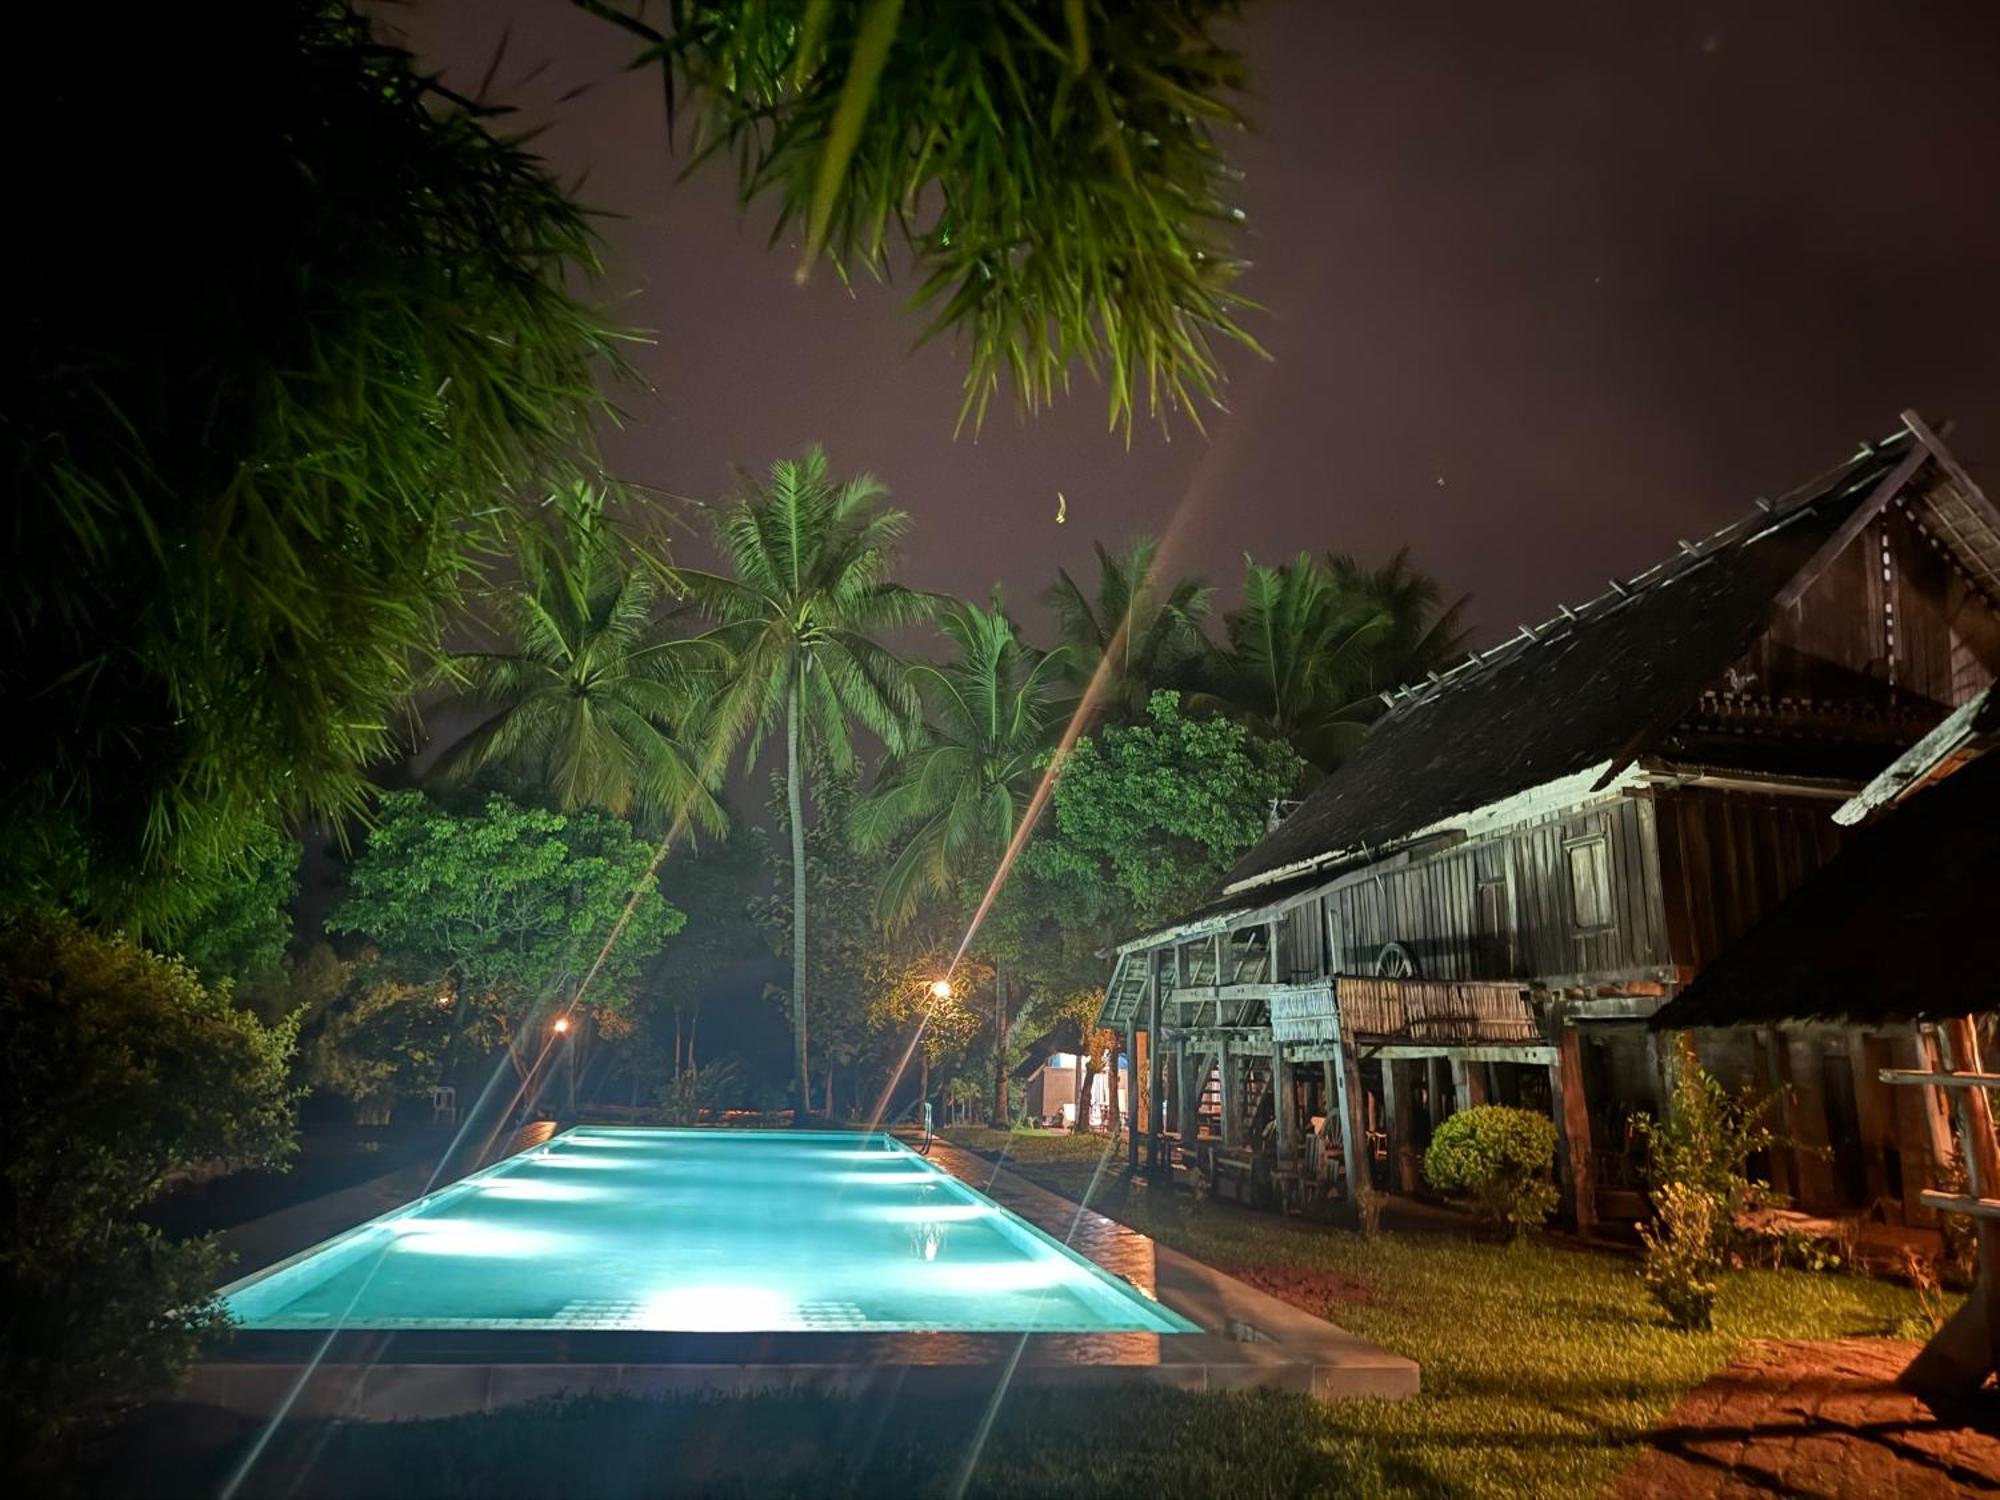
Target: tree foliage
[1313, 643]
[243, 931]
[1149, 627]
[589, 693]
[117, 1068]
[951, 804]
[251, 452]
[1151, 814]
[1050, 168]
[504, 904]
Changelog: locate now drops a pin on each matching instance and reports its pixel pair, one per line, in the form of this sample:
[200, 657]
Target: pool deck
[1251, 1340]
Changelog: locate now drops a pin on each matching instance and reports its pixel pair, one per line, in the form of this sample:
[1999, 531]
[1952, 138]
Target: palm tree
[591, 696]
[1424, 633]
[1151, 630]
[1314, 643]
[961, 793]
[811, 589]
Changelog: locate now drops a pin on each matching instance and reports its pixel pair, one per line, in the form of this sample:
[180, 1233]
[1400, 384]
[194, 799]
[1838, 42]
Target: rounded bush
[1501, 1159]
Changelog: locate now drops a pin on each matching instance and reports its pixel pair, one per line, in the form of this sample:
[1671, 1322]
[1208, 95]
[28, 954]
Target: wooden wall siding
[1302, 943]
[1835, 643]
[1734, 857]
[1503, 908]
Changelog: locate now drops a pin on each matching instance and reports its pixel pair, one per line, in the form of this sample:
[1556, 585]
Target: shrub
[1500, 1158]
[1682, 1261]
[1706, 1143]
[117, 1069]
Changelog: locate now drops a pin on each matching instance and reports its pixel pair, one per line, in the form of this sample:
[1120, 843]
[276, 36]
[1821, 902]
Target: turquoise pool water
[709, 1231]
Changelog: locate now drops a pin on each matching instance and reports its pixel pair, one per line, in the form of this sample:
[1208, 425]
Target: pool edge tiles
[516, 1253]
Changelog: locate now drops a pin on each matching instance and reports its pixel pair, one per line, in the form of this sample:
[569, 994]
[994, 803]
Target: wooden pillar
[1283, 1106]
[1397, 1097]
[1184, 1094]
[1572, 1111]
[1156, 1106]
[1468, 1082]
[1874, 1108]
[1777, 1080]
[1228, 1096]
[1353, 1124]
[1132, 1094]
[1437, 1075]
[1813, 1160]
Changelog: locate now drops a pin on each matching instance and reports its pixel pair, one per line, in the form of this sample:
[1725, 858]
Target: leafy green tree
[1313, 644]
[242, 934]
[504, 908]
[811, 591]
[117, 1068]
[248, 468]
[1148, 816]
[952, 802]
[1050, 168]
[1149, 627]
[590, 695]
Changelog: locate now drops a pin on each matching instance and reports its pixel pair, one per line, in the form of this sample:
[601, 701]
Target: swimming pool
[700, 1231]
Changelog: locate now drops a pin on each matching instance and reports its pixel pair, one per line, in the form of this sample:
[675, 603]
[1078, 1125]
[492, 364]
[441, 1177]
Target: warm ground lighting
[941, 989]
[562, 1026]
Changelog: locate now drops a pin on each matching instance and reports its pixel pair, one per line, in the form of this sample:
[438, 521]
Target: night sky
[1547, 286]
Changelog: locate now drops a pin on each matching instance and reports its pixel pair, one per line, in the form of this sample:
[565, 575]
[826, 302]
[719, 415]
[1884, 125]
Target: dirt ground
[1822, 1420]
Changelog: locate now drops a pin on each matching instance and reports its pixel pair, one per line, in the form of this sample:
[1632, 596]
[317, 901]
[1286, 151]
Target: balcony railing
[1435, 1010]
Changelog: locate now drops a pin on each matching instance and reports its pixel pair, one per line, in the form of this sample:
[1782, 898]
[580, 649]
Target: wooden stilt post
[1468, 1082]
[1186, 1095]
[1228, 1096]
[1572, 1113]
[1132, 1094]
[1156, 1068]
[1437, 1071]
[1397, 1099]
[1283, 1105]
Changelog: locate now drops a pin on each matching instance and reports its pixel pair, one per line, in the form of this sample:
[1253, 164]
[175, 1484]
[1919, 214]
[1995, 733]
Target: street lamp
[561, 1029]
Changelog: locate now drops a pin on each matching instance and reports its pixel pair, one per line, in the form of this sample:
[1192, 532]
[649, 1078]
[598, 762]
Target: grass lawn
[1543, 1366]
[1543, 1363]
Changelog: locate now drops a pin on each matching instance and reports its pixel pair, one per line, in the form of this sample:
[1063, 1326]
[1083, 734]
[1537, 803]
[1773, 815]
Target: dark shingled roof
[1895, 929]
[1597, 683]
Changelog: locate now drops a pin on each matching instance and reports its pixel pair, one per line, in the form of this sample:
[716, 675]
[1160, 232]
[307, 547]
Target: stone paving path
[1812, 1419]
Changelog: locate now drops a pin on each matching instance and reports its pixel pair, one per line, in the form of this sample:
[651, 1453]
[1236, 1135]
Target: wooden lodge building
[1530, 854]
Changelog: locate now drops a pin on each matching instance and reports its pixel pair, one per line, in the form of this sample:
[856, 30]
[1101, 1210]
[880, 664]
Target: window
[1590, 883]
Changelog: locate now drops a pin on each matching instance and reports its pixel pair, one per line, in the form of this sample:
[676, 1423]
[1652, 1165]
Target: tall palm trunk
[795, 803]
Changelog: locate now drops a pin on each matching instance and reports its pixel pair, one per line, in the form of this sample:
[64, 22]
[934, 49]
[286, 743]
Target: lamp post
[569, 1064]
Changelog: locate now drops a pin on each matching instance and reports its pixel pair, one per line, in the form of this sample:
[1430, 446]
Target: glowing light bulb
[562, 1025]
[941, 989]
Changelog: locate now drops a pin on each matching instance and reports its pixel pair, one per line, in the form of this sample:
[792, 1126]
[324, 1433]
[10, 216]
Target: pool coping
[1252, 1340]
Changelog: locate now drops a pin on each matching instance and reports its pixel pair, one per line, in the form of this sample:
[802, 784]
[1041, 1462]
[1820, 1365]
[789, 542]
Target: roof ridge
[1563, 625]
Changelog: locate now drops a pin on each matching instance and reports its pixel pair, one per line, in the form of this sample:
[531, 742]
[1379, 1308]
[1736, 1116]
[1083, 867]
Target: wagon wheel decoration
[1393, 961]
